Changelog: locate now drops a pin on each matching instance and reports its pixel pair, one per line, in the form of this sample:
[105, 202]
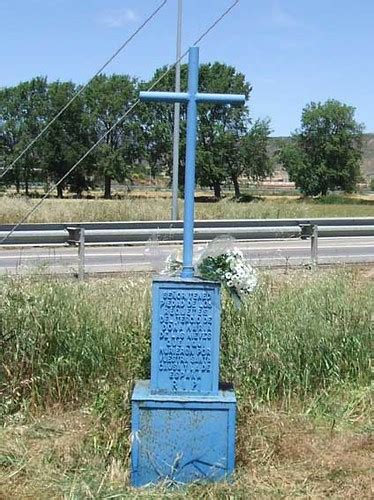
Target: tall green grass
[64, 342]
[303, 337]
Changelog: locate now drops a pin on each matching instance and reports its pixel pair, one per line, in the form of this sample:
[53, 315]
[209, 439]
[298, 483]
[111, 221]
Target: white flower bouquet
[232, 270]
[220, 261]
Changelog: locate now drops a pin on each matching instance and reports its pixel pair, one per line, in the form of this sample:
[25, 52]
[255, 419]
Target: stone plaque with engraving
[185, 336]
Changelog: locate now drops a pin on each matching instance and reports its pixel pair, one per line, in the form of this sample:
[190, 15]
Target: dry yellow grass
[152, 207]
[279, 454]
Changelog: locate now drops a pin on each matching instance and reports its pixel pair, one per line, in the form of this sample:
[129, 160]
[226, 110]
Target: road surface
[151, 257]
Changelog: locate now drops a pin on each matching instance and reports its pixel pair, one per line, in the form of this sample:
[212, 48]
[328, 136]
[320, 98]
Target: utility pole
[174, 207]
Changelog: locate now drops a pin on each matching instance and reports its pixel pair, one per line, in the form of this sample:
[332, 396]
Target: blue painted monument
[183, 420]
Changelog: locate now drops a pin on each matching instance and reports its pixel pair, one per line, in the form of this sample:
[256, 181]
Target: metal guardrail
[126, 233]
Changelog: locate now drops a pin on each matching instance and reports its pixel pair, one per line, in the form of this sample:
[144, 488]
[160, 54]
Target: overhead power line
[82, 89]
[35, 207]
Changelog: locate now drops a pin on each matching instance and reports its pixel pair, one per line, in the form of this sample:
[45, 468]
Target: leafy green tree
[157, 135]
[21, 119]
[223, 163]
[241, 152]
[157, 120]
[249, 156]
[227, 146]
[66, 140]
[220, 127]
[108, 98]
[325, 153]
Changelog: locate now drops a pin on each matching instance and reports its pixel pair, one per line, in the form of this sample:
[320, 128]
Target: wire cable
[35, 207]
[82, 89]
[217, 21]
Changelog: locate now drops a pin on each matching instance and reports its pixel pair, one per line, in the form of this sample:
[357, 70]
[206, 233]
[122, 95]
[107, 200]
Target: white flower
[234, 271]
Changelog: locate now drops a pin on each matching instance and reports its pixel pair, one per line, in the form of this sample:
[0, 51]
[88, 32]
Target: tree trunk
[60, 192]
[17, 185]
[26, 184]
[217, 190]
[236, 186]
[108, 187]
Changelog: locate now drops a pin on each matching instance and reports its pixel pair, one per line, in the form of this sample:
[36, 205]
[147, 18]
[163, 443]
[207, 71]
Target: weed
[299, 353]
[132, 208]
[64, 342]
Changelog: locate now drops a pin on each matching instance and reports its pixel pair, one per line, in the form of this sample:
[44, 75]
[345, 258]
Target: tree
[219, 126]
[21, 119]
[66, 140]
[325, 153]
[224, 162]
[108, 98]
[243, 152]
[256, 162]
[157, 120]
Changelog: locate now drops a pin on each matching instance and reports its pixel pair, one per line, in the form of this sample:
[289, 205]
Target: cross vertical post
[189, 176]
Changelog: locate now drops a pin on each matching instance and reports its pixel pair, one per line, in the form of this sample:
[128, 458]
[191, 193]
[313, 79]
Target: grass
[299, 354]
[151, 208]
[280, 454]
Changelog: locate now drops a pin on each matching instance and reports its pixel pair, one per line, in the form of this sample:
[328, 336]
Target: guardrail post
[311, 231]
[314, 245]
[76, 238]
[81, 255]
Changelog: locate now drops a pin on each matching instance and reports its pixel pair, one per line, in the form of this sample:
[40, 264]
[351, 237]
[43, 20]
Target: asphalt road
[151, 257]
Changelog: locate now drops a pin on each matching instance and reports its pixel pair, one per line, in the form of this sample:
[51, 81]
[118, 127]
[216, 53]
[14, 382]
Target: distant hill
[367, 166]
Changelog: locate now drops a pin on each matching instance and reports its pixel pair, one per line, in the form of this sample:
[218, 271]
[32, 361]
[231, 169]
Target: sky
[291, 51]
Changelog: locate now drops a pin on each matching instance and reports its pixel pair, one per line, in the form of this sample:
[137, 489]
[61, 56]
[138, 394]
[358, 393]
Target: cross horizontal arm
[164, 96]
[183, 97]
[220, 98]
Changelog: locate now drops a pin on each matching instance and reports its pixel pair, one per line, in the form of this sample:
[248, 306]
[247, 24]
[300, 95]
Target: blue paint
[189, 180]
[220, 98]
[185, 336]
[192, 98]
[183, 424]
[170, 97]
[181, 439]
[184, 97]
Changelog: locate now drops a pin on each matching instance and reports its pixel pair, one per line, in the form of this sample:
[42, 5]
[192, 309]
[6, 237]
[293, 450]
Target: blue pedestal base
[181, 438]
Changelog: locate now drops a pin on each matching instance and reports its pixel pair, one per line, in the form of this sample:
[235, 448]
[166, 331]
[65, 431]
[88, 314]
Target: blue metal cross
[192, 97]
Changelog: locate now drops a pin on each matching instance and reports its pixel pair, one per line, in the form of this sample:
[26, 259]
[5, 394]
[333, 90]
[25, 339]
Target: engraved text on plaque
[185, 339]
